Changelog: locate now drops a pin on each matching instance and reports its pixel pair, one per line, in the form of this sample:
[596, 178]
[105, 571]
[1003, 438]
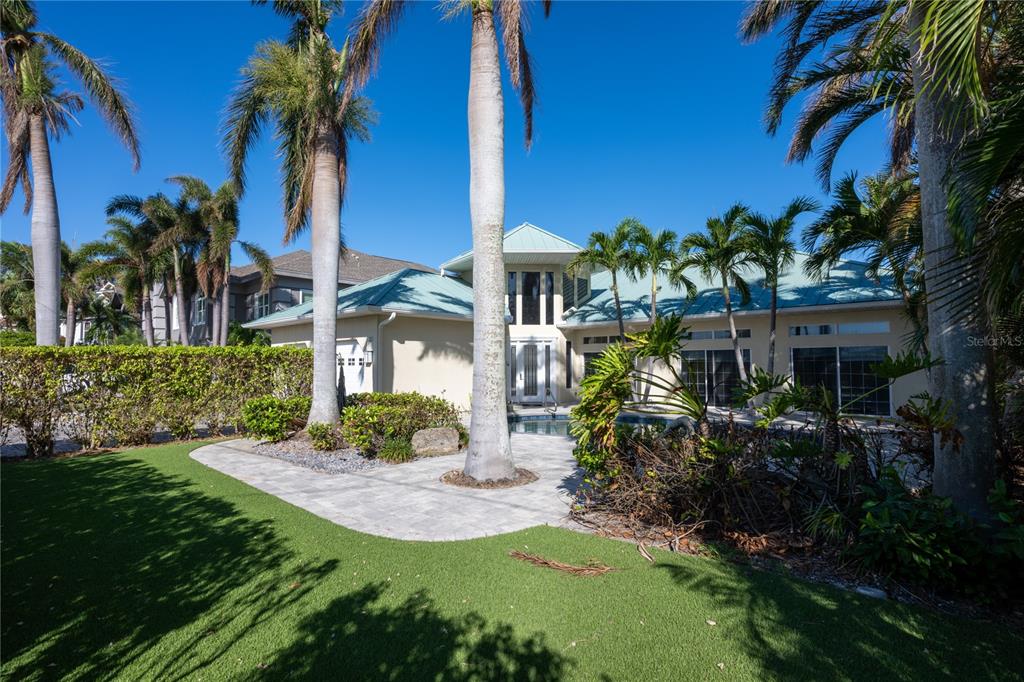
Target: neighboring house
[412, 330]
[292, 285]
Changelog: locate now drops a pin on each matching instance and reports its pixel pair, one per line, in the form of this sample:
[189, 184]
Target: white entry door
[351, 361]
[530, 364]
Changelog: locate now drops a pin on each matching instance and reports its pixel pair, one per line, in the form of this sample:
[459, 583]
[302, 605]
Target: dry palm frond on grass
[593, 568]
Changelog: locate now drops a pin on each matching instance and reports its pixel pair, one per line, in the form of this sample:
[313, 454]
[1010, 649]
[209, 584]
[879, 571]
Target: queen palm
[722, 254]
[36, 109]
[770, 241]
[300, 86]
[76, 284]
[489, 455]
[179, 232]
[609, 250]
[127, 252]
[656, 254]
[218, 212]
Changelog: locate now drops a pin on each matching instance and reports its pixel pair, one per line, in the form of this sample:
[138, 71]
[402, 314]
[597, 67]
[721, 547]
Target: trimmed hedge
[270, 418]
[98, 395]
[370, 420]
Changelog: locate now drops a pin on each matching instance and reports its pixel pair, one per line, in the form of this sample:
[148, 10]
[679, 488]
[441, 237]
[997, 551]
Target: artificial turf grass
[148, 565]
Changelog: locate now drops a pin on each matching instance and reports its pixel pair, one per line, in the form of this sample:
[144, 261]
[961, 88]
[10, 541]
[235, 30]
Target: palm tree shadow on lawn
[794, 629]
[106, 560]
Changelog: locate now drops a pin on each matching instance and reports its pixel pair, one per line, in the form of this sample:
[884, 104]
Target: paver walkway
[408, 501]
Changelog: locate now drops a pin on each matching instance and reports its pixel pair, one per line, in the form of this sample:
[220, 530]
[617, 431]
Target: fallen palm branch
[593, 568]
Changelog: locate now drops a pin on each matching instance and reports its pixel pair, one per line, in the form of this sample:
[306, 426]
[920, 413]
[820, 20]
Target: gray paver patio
[408, 501]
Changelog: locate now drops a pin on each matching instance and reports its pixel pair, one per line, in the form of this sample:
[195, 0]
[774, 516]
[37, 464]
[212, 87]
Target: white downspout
[380, 350]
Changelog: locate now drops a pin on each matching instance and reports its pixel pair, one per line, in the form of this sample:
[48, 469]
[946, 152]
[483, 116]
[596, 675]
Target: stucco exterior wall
[434, 357]
[758, 324]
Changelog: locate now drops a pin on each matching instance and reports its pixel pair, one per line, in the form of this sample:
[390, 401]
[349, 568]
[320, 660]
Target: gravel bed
[300, 452]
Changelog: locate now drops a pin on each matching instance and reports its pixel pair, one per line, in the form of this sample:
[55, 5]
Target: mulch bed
[457, 478]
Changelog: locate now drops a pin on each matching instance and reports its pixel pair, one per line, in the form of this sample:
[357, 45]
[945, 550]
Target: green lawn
[147, 565]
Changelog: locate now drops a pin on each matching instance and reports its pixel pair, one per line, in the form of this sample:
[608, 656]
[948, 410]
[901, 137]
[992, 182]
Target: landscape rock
[436, 441]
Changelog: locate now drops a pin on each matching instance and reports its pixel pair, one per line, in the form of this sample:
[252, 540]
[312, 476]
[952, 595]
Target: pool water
[559, 426]
[546, 426]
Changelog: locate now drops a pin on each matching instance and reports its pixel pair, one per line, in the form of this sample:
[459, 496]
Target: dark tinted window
[531, 298]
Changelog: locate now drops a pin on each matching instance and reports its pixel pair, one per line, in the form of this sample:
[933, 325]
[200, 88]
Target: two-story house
[412, 330]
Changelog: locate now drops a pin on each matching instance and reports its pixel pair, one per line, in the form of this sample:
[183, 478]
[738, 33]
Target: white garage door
[352, 361]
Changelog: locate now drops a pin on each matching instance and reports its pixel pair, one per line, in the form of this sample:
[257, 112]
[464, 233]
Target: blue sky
[650, 110]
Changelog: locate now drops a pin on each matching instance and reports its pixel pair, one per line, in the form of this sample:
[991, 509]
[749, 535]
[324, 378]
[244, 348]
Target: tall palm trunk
[70, 319]
[179, 294]
[165, 295]
[326, 223]
[618, 306]
[213, 321]
[772, 318]
[732, 329]
[654, 296]
[490, 454]
[147, 315]
[225, 302]
[45, 237]
[964, 381]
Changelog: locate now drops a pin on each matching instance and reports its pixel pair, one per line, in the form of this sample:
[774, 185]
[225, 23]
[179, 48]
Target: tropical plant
[241, 336]
[35, 109]
[177, 232]
[952, 50]
[218, 213]
[878, 219]
[611, 251]
[76, 284]
[489, 455]
[17, 302]
[106, 321]
[655, 254]
[722, 254]
[300, 86]
[772, 249]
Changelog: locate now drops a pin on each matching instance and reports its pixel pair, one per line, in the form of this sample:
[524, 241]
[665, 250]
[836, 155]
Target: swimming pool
[558, 425]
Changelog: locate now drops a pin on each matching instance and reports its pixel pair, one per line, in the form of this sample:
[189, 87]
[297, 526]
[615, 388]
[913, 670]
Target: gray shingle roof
[355, 267]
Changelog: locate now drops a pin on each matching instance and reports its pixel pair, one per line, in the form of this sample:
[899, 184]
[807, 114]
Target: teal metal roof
[524, 239]
[847, 283]
[408, 290]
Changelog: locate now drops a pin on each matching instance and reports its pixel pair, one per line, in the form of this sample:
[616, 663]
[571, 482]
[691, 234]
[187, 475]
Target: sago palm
[773, 251]
[36, 110]
[721, 254]
[299, 86]
[609, 250]
[489, 456]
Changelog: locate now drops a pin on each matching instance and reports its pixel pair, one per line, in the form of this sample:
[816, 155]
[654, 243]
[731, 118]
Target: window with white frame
[305, 295]
[259, 306]
[708, 334]
[199, 310]
[845, 371]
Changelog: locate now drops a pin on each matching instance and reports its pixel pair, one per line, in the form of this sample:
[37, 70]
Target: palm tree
[612, 252]
[179, 232]
[129, 259]
[35, 110]
[655, 254]
[770, 241]
[854, 79]
[301, 87]
[722, 253]
[490, 455]
[17, 302]
[76, 284]
[106, 322]
[881, 218]
[218, 211]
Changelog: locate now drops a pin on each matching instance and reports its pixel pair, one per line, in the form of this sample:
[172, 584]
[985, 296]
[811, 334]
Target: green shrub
[270, 418]
[17, 339]
[395, 450]
[914, 538]
[324, 436]
[123, 394]
[371, 419]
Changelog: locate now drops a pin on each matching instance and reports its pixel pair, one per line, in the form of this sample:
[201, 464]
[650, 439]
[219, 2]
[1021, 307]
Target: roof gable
[354, 267]
[527, 241]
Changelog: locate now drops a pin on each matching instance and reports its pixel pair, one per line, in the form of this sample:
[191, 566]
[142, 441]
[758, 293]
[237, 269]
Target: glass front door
[529, 370]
